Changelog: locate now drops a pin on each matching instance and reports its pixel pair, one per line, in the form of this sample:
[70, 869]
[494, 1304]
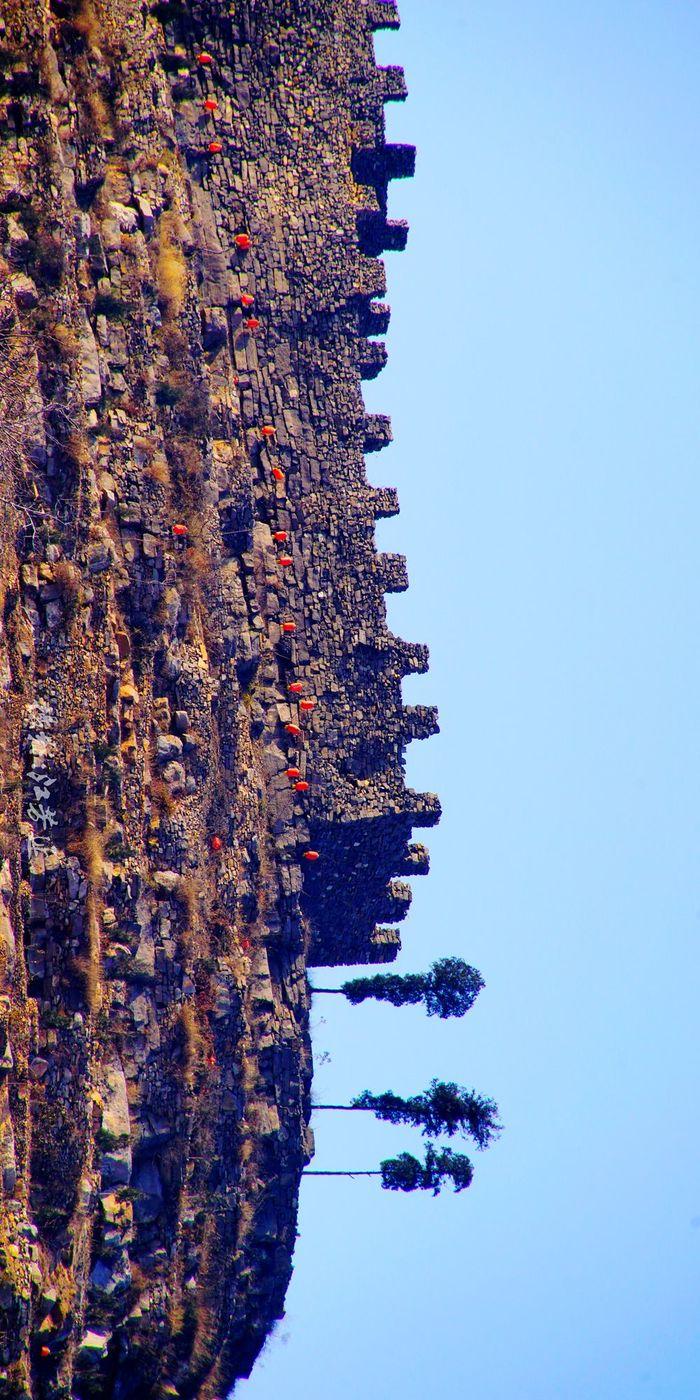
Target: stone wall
[192, 205]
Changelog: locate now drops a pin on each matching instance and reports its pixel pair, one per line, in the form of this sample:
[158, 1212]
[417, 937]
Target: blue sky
[543, 386]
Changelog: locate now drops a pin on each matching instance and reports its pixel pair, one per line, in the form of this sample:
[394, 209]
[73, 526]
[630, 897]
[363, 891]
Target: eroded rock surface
[202, 737]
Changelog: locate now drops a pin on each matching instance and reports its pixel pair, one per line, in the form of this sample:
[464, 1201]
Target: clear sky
[543, 386]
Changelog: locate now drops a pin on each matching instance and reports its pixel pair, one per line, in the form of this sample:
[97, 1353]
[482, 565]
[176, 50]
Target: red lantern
[301, 787]
[293, 729]
[45, 1351]
[214, 148]
[295, 687]
[310, 855]
[268, 430]
[204, 59]
[216, 843]
[289, 626]
[247, 299]
[180, 531]
[307, 705]
[285, 560]
[278, 473]
[294, 772]
[245, 944]
[280, 536]
[252, 323]
[210, 104]
[242, 242]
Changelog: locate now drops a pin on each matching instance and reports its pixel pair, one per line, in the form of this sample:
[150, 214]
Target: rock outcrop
[201, 750]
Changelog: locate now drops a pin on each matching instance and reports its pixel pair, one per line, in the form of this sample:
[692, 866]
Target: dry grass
[188, 470]
[91, 847]
[158, 470]
[189, 894]
[67, 344]
[85, 21]
[75, 449]
[16, 376]
[161, 797]
[87, 966]
[171, 266]
[66, 577]
[175, 345]
[198, 565]
[100, 115]
[193, 1044]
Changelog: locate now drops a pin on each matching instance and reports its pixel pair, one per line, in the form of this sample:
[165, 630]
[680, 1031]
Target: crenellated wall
[312, 192]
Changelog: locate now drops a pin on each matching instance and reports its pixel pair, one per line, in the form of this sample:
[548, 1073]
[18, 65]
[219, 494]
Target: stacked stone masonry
[193, 201]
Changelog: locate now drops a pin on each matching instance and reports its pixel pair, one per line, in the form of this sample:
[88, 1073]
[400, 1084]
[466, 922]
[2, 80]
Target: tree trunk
[329, 991]
[314, 1173]
[339, 1107]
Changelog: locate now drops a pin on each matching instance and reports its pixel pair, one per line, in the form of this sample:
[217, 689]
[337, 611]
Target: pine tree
[406, 1173]
[442, 1108]
[449, 988]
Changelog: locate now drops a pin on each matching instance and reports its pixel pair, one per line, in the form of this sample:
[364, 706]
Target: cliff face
[192, 204]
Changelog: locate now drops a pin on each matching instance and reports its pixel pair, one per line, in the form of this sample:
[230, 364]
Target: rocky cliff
[202, 736]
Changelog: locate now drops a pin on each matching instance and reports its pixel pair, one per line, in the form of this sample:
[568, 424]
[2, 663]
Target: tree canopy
[406, 1173]
[449, 988]
[442, 1108]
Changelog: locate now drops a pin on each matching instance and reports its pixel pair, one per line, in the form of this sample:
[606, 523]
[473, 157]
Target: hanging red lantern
[268, 430]
[204, 59]
[214, 148]
[294, 772]
[180, 531]
[280, 536]
[247, 299]
[293, 729]
[245, 944]
[252, 323]
[307, 705]
[278, 473]
[301, 787]
[289, 626]
[216, 843]
[285, 560]
[242, 242]
[210, 104]
[310, 855]
[295, 687]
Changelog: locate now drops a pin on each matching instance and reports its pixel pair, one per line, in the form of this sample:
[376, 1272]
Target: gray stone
[143, 964]
[25, 291]
[149, 1203]
[146, 212]
[110, 1277]
[115, 1113]
[89, 365]
[115, 1167]
[18, 239]
[94, 1345]
[100, 558]
[168, 746]
[167, 880]
[126, 218]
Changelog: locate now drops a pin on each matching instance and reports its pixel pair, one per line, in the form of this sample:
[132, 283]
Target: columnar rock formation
[201, 750]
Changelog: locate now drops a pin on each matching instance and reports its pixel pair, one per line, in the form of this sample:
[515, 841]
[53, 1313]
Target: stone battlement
[316, 231]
